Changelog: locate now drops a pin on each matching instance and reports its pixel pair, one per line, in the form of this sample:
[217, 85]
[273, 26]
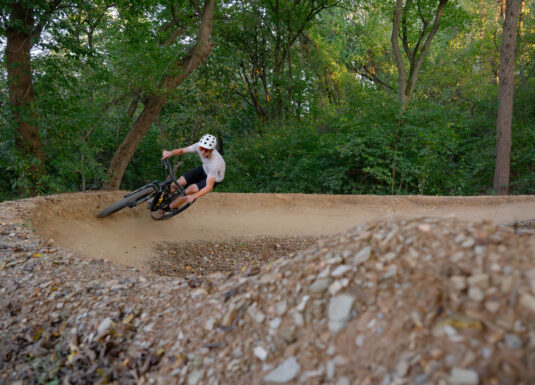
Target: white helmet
[208, 141]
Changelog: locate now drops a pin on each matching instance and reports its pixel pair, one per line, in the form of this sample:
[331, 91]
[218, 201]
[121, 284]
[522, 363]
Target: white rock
[528, 301]
[479, 280]
[339, 311]
[311, 374]
[459, 238]
[480, 250]
[302, 305]
[513, 341]
[149, 327]
[402, 368]
[195, 377]
[285, 372]
[325, 272]
[105, 327]
[298, 319]
[469, 242]
[507, 284]
[210, 323]
[486, 353]
[320, 285]
[269, 278]
[256, 314]
[333, 261]
[341, 270]
[459, 376]
[331, 369]
[476, 294]
[281, 308]
[458, 282]
[495, 268]
[424, 227]
[335, 287]
[390, 272]
[492, 306]
[275, 323]
[362, 256]
[260, 353]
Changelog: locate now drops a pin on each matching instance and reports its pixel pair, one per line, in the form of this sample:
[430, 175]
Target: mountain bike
[158, 194]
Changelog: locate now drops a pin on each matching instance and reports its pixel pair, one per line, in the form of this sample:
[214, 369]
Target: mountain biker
[200, 180]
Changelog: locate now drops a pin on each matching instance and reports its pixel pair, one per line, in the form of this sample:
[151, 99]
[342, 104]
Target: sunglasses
[204, 149]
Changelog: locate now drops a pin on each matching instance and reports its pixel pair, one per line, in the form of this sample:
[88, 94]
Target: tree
[267, 35]
[416, 55]
[155, 101]
[505, 98]
[22, 23]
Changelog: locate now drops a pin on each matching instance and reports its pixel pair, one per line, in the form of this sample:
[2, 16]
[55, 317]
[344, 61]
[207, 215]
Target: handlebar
[169, 170]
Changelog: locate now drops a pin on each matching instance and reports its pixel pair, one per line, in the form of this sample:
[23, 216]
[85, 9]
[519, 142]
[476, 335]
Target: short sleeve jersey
[213, 167]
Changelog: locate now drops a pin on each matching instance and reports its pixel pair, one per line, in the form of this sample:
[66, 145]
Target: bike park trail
[130, 236]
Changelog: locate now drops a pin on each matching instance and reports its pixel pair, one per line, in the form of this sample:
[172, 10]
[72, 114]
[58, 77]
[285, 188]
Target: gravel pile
[420, 301]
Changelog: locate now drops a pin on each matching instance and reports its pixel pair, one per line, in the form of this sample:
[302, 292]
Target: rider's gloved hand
[166, 154]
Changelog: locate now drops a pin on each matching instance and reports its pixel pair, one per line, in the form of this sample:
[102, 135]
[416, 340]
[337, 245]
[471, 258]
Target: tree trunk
[420, 56]
[124, 153]
[505, 98]
[415, 57]
[402, 72]
[155, 103]
[21, 89]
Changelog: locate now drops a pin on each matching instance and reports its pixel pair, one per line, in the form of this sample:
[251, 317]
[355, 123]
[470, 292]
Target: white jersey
[213, 166]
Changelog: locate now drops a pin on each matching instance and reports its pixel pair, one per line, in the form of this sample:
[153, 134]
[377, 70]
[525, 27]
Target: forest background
[318, 96]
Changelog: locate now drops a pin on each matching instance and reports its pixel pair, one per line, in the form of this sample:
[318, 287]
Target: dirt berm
[129, 236]
[390, 290]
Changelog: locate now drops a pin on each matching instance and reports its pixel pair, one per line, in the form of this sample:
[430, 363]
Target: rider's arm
[178, 151]
[205, 190]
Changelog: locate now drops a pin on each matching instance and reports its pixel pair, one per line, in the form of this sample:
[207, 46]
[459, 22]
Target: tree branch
[370, 75]
[54, 6]
[425, 48]
[404, 34]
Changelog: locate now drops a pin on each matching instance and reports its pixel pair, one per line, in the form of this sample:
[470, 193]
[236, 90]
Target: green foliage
[375, 151]
[327, 118]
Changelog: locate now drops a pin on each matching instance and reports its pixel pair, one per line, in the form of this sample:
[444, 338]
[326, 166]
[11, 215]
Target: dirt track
[129, 237]
[398, 301]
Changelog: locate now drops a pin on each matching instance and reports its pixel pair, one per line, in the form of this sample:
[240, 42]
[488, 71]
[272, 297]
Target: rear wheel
[173, 212]
[125, 202]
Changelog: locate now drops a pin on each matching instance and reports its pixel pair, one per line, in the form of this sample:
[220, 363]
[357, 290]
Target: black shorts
[198, 177]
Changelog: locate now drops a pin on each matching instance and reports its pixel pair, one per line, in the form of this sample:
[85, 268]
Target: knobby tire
[124, 202]
[174, 212]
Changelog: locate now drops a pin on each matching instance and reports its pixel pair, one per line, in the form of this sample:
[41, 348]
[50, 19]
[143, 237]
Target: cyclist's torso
[214, 166]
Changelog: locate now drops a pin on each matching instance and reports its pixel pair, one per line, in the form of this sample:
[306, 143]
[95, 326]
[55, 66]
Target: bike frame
[158, 187]
[161, 194]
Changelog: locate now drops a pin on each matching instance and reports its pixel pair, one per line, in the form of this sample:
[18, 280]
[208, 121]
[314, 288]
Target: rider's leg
[181, 199]
[181, 181]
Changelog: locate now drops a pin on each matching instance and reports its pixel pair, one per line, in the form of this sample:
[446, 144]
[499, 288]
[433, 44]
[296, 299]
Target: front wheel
[125, 202]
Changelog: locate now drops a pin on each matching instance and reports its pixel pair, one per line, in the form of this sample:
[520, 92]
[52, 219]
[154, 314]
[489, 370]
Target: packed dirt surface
[269, 289]
[131, 237]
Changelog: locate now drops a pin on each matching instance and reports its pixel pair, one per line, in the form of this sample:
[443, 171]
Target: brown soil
[131, 237]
